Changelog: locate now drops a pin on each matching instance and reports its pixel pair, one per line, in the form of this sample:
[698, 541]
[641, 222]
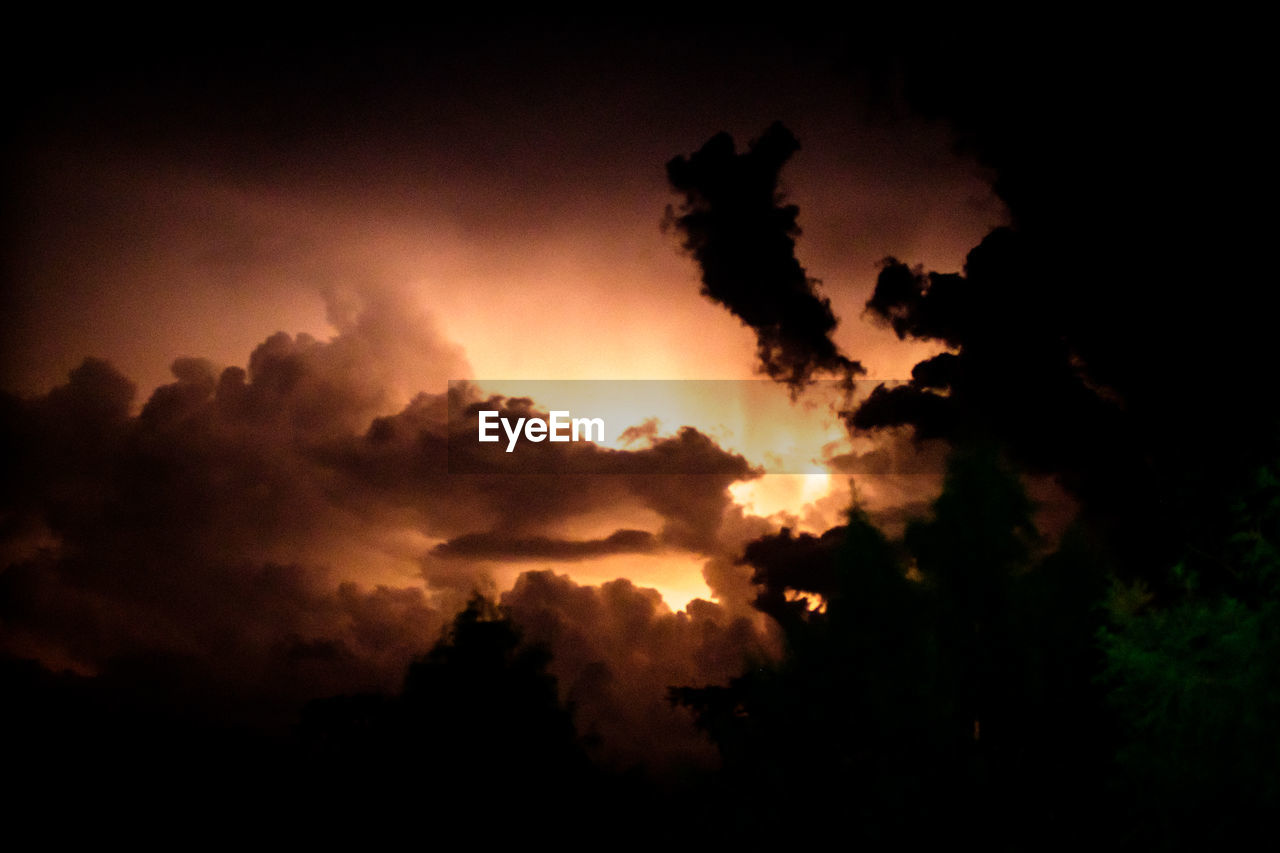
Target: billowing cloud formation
[207, 530]
[617, 648]
[743, 238]
[401, 453]
[255, 537]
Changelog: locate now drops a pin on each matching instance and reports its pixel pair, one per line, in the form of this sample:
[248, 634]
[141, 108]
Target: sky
[277, 253]
[512, 188]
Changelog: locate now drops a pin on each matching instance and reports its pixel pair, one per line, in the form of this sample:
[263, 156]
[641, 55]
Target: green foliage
[1186, 673]
[1196, 683]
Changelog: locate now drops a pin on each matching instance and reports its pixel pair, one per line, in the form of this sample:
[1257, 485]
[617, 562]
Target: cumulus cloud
[618, 647]
[683, 477]
[205, 530]
[736, 226]
[254, 537]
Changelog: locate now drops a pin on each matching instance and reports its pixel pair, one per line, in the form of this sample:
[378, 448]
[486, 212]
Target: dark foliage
[1196, 684]
[934, 690]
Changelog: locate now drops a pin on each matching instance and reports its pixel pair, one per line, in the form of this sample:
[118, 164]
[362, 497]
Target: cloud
[684, 478]
[617, 648]
[491, 545]
[743, 238]
[205, 529]
[255, 537]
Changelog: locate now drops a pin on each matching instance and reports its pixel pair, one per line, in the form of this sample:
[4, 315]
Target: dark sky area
[500, 173]
[241, 263]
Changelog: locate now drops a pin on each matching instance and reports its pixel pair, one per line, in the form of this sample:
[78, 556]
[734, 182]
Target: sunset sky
[407, 210]
[509, 187]
[938, 498]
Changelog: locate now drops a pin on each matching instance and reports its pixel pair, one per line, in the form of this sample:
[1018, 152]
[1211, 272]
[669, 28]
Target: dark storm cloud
[493, 545]
[202, 531]
[1116, 323]
[617, 648]
[784, 561]
[399, 450]
[234, 529]
[247, 528]
[743, 237]
[896, 453]
[687, 452]
[895, 479]
[510, 514]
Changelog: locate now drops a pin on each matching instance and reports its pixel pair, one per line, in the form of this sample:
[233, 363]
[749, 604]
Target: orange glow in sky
[521, 253]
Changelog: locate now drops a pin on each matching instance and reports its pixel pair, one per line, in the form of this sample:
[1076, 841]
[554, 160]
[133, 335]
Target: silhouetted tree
[478, 727]
[949, 675]
[482, 699]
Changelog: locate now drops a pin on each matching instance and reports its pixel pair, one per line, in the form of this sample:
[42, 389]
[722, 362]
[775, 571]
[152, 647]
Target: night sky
[242, 265]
